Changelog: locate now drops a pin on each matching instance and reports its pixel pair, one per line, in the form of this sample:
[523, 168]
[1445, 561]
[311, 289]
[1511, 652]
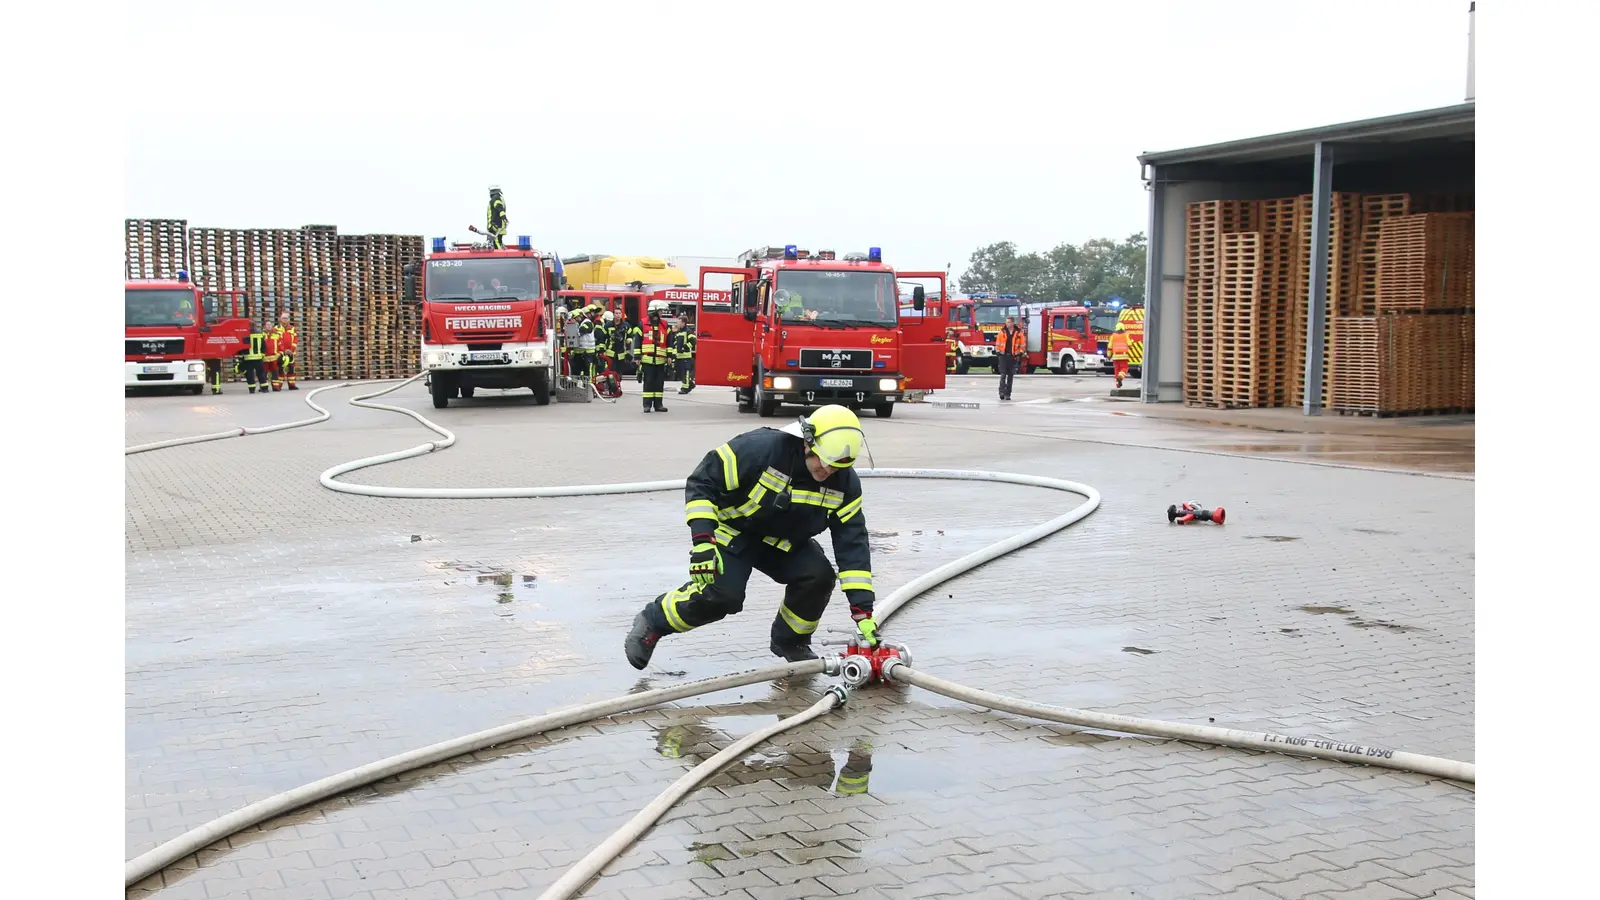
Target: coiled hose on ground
[198, 838]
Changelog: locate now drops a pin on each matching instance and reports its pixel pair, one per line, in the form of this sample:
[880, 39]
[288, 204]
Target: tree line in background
[1094, 271]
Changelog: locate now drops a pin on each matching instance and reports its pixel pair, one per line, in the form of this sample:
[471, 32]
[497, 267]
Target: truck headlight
[435, 358]
[782, 383]
[888, 385]
[197, 367]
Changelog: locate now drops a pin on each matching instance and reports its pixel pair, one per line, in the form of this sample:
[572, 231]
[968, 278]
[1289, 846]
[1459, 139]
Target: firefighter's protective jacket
[288, 338]
[655, 345]
[756, 489]
[684, 343]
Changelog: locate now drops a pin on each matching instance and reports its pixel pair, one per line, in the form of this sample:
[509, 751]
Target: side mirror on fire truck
[919, 298]
[410, 272]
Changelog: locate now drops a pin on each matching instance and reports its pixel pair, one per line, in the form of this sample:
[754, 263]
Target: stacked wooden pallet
[1247, 303]
[341, 292]
[1209, 221]
[156, 248]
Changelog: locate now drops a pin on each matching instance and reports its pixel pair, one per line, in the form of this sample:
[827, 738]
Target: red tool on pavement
[1184, 513]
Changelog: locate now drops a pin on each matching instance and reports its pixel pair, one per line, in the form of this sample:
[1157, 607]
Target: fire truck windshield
[473, 280]
[961, 314]
[158, 308]
[1103, 322]
[840, 298]
[995, 314]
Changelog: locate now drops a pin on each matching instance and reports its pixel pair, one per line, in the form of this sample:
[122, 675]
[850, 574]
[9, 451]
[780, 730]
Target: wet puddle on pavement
[1354, 620]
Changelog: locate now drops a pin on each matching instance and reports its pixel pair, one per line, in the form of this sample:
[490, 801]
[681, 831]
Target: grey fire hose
[894, 670]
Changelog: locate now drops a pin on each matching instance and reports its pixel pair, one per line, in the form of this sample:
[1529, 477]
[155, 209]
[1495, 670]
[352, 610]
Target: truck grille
[160, 376]
[154, 346]
[484, 337]
[814, 358]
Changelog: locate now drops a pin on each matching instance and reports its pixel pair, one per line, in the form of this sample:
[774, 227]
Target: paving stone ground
[278, 632]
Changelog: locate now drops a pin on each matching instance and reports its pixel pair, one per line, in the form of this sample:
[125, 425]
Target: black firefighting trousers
[655, 380]
[804, 571]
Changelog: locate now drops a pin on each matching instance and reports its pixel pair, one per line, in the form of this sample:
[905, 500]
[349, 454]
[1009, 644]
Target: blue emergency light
[524, 242]
[1115, 304]
[875, 254]
[438, 245]
[790, 251]
[183, 275]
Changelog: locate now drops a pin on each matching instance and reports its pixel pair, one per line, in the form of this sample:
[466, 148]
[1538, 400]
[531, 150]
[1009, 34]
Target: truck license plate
[154, 370]
[489, 355]
[837, 382]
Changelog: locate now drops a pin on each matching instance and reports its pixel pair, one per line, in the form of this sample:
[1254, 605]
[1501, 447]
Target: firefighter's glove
[865, 625]
[705, 563]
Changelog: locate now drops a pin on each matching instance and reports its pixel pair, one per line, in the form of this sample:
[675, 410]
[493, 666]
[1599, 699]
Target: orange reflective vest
[1011, 342]
[274, 344]
[1119, 345]
[952, 347]
[656, 345]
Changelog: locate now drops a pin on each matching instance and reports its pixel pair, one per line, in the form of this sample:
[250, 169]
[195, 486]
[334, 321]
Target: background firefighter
[683, 345]
[288, 346]
[756, 503]
[250, 360]
[270, 360]
[1118, 346]
[655, 350]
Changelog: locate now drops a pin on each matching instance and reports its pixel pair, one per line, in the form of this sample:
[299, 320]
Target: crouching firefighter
[756, 503]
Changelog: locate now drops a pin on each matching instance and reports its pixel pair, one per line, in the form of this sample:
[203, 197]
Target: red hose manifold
[864, 665]
[1184, 513]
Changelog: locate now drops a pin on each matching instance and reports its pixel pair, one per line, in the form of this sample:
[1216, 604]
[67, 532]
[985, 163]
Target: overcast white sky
[706, 128]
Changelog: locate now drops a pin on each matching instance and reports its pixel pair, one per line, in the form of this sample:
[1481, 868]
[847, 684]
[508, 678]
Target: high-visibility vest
[1119, 345]
[655, 344]
[257, 348]
[952, 347]
[1011, 343]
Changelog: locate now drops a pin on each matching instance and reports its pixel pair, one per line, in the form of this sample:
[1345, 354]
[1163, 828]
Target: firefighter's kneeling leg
[808, 580]
[692, 605]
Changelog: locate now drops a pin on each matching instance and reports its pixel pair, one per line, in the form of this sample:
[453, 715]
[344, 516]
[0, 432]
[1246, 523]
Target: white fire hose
[205, 835]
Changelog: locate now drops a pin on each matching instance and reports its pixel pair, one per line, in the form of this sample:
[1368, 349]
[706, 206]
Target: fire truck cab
[1060, 339]
[812, 329]
[174, 332]
[487, 318]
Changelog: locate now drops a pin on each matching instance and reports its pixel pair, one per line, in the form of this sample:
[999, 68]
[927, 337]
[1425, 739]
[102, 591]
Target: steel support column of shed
[1317, 303]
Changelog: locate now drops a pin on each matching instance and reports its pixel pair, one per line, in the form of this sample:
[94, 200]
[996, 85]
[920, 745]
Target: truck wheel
[766, 404]
[1069, 366]
[442, 388]
[197, 389]
[743, 400]
[885, 410]
[541, 387]
[963, 364]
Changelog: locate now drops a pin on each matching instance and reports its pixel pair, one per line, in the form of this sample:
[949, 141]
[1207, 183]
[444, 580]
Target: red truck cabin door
[724, 338]
[922, 345]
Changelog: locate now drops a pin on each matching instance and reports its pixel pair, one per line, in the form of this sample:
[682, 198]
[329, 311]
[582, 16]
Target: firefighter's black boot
[252, 389]
[641, 641]
[660, 407]
[294, 387]
[795, 652]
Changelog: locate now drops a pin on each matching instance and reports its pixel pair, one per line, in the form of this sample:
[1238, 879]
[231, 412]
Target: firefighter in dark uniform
[756, 503]
[252, 359]
[603, 331]
[634, 338]
[683, 344]
[655, 350]
[583, 354]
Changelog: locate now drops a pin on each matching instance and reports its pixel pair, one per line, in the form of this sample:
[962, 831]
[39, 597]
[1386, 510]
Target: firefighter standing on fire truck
[1118, 346]
[655, 349]
[756, 503]
[288, 346]
[683, 344]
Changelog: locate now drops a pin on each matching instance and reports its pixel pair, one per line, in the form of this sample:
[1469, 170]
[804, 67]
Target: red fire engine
[175, 332]
[486, 318]
[810, 330]
[1060, 339]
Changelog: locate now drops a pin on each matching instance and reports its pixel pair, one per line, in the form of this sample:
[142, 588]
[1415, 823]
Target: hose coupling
[830, 663]
[856, 670]
[838, 691]
[902, 649]
[892, 663]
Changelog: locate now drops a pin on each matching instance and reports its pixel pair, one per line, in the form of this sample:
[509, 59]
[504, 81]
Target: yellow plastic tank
[649, 271]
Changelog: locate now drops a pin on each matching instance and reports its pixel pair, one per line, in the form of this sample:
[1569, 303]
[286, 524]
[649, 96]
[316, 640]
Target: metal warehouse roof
[1428, 129]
